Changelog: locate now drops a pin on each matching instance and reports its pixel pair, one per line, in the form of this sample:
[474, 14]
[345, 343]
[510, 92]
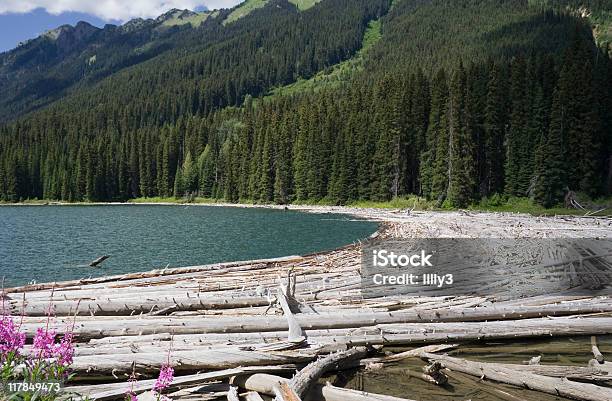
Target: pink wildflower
[44, 343]
[64, 351]
[11, 340]
[166, 376]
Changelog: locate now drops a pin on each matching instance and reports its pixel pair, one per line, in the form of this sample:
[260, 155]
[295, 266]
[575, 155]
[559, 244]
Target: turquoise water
[52, 243]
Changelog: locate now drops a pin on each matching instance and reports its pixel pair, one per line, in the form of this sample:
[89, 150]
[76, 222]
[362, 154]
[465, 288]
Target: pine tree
[517, 135]
[494, 135]
[179, 188]
[461, 164]
[550, 183]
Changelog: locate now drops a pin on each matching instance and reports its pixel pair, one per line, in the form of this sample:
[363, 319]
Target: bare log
[311, 373]
[98, 261]
[232, 394]
[296, 334]
[283, 392]
[264, 384]
[253, 396]
[107, 392]
[596, 353]
[518, 377]
[183, 361]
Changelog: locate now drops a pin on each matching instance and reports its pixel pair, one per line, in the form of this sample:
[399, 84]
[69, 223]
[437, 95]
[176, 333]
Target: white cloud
[121, 10]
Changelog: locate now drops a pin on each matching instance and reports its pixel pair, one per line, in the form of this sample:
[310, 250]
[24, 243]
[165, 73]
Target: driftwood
[232, 394]
[517, 376]
[264, 384]
[107, 392]
[252, 396]
[311, 373]
[596, 353]
[98, 261]
[283, 392]
[285, 297]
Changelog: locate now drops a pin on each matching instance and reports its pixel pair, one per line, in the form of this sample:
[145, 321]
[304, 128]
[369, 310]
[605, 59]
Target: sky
[21, 20]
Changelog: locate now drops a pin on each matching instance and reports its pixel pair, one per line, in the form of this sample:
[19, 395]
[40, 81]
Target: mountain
[310, 101]
[46, 68]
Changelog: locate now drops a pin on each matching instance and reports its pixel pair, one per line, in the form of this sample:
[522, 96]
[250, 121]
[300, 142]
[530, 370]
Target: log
[596, 353]
[108, 392]
[296, 334]
[264, 384]
[518, 377]
[182, 361]
[302, 381]
[232, 394]
[98, 261]
[253, 396]
[88, 328]
[283, 392]
[153, 274]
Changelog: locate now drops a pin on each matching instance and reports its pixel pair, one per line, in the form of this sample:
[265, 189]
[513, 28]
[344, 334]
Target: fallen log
[264, 384]
[90, 328]
[283, 392]
[232, 394]
[253, 396]
[313, 371]
[112, 391]
[518, 377]
[596, 353]
[182, 361]
[98, 261]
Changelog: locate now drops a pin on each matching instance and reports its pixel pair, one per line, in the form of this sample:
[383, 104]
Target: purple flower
[44, 343]
[64, 351]
[166, 375]
[11, 340]
[44, 346]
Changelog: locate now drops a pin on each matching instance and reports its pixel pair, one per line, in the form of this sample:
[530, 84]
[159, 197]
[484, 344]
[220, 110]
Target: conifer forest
[455, 101]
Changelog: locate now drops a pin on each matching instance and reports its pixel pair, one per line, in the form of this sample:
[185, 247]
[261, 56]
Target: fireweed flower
[44, 343]
[64, 351]
[166, 375]
[11, 340]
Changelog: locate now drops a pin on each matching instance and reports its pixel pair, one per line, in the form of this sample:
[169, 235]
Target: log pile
[274, 328]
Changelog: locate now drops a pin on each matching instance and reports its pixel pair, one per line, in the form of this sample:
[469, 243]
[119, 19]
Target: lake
[53, 243]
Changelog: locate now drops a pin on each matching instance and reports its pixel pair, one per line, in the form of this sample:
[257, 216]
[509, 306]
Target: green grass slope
[244, 9]
[338, 73]
[304, 4]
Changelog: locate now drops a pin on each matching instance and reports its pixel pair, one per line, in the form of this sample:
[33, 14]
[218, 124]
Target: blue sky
[26, 19]
[15, 28]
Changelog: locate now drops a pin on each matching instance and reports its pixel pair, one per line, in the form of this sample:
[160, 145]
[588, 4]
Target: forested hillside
[455, 101]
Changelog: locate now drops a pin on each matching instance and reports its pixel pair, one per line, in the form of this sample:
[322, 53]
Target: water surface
[52, 243]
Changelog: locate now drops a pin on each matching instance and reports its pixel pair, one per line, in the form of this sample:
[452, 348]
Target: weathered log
[262, 263]
[232, 394]
[183, 361]
[264, 384]
[311, 373]
[296, 334]
[94, 328]
[518, 377]
[107, 392]
[283, 392]
[98, 261]
[596, 353]
[253, 396]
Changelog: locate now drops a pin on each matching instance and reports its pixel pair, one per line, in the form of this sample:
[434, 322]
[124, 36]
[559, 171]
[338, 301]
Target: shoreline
[400, 205]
